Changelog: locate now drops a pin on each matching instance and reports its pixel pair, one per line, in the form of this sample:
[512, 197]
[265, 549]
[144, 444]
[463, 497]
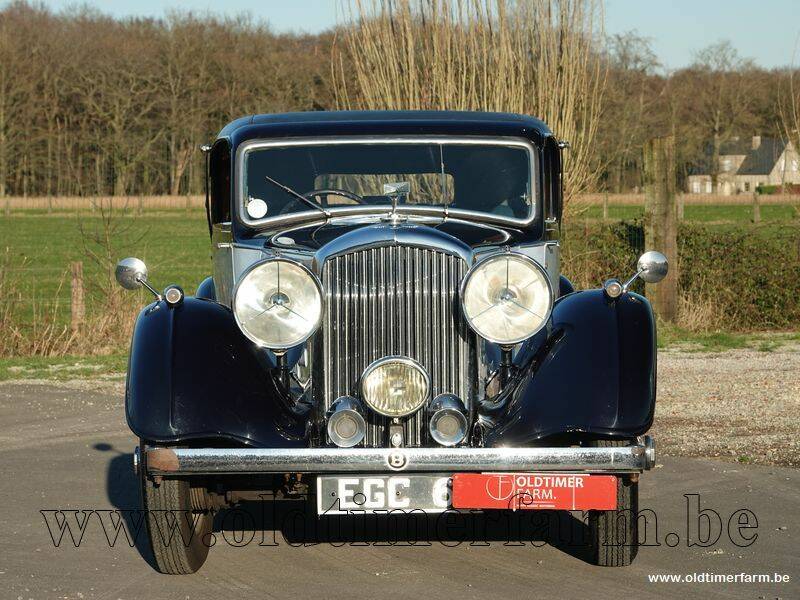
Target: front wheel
[614, 534]
[179, 519]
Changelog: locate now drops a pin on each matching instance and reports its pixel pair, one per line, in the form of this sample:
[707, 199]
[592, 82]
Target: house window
[746, 186]
[726, 164]
[695, 187]
[708, 187]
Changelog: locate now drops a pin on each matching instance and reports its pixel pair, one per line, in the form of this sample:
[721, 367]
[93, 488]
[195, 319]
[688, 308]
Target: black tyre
[179, 519]
[614, 535]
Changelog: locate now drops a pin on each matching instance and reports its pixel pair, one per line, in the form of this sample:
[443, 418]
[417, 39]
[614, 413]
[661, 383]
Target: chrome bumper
[206, 461]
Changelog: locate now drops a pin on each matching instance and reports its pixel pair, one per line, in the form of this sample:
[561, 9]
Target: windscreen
[480, 177]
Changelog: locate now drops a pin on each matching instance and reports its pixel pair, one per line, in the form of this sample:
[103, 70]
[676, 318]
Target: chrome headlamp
[395, 386]
[506, 298]
[278, 304]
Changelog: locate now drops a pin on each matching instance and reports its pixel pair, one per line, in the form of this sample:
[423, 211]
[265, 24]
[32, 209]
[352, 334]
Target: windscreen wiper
[297, 195]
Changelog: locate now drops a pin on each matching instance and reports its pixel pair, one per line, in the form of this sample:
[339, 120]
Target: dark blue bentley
[386, 329]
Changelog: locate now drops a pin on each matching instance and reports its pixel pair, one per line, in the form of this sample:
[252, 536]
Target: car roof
[368, 122]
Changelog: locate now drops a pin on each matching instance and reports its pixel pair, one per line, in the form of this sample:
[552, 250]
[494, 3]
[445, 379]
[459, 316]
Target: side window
[552, 179]
[220, 188]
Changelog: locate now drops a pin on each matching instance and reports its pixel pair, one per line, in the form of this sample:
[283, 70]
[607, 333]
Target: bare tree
[722, 97]
[94, 105]
[120, 89]
[186, 78]
[16, 91]
[536, 57]
[628, 116]
[789, 104]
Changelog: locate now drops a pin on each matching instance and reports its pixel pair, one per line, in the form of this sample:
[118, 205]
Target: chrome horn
[346, 424]
[448, 420]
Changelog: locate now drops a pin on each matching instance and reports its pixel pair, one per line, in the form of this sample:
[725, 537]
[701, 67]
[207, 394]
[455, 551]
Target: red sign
[555, 491]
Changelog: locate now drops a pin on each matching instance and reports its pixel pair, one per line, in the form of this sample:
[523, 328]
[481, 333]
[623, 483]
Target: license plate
[555, 491]
[337, 495]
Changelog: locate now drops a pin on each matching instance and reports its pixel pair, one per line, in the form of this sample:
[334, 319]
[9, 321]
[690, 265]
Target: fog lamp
[346, 425]
[395, 386]
[448, 423]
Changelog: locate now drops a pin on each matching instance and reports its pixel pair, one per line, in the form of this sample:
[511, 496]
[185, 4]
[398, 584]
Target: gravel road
[739, 405]
[66, 447]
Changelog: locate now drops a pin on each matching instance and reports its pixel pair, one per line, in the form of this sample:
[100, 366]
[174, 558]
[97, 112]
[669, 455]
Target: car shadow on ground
[122, 488]
[295, 523]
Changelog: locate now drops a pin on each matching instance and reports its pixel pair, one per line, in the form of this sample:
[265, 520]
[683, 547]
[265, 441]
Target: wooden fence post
[78, 306]
[605, 206]
[661, 229]
[681, 204]
[756, 209]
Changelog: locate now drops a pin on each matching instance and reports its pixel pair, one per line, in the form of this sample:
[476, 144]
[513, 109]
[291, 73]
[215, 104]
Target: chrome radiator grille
[392, 300]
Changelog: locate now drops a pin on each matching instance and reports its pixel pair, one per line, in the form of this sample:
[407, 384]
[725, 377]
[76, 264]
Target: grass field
[175, 246]
[40, 248]
[63, 367]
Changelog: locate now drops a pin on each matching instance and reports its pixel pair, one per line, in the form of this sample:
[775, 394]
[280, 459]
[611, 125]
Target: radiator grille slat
[393, 300]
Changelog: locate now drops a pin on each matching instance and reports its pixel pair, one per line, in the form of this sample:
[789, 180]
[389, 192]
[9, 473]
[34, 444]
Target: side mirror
[652, 266]
[131, 273]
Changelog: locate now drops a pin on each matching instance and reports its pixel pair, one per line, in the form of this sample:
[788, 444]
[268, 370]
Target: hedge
[747, 275]
[768, 190]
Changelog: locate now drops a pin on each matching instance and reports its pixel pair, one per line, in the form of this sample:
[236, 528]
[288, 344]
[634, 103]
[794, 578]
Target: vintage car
[386, 329]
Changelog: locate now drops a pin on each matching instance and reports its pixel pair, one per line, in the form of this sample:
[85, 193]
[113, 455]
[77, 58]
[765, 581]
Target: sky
[766, 31]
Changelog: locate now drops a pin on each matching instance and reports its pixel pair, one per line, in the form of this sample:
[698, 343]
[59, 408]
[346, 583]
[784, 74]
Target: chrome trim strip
[222, 262]
[444, 212]
[383, 234]
[200, 461]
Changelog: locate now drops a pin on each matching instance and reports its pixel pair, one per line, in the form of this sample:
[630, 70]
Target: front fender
[192, 375]
[594, 373]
